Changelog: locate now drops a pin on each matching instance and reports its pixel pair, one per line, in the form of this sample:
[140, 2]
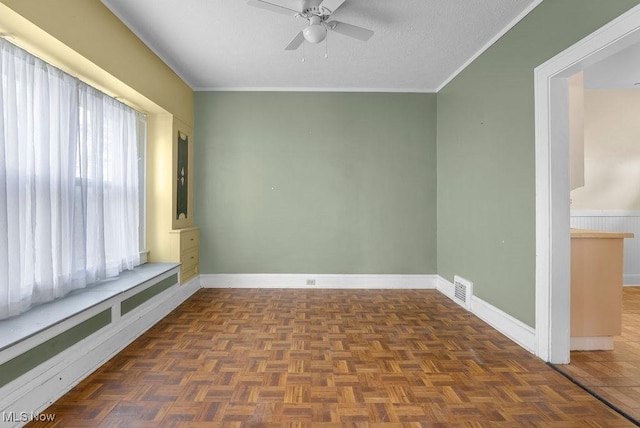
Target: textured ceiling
[228, 45]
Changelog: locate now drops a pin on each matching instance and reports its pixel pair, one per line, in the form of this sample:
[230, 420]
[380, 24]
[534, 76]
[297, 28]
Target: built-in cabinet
[171, 234]
[185, 246]
[596, 288]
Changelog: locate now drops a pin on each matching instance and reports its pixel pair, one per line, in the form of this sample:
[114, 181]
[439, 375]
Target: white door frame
[552, 178]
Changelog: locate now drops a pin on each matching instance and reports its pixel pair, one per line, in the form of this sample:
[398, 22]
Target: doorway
[552, 178]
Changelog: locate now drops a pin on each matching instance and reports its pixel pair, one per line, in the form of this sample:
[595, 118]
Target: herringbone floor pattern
[326, 358]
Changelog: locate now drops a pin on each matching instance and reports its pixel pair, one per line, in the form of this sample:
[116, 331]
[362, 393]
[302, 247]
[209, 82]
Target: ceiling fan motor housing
[320, 12]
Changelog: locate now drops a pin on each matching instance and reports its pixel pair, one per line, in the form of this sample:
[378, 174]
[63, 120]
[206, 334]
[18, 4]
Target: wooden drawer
[187, 273]
[189, 258]
[185, 248]
[189, 239]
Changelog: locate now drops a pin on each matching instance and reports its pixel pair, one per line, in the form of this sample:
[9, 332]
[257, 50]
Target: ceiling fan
[318, 18]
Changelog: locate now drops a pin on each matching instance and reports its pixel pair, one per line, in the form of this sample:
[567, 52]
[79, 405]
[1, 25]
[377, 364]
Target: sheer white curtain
[68, 183]
[107, 184]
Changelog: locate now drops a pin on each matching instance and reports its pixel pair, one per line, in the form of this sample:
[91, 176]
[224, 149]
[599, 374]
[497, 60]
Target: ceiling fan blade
[350, 30]
[297, 41]
[332, 5]
[272, 7]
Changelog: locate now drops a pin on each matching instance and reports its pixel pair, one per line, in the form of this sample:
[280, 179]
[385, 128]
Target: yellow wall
[611, 152]
[85, 39]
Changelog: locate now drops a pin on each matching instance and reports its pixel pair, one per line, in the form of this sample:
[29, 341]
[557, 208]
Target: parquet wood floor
[614, 375]
[326, 358]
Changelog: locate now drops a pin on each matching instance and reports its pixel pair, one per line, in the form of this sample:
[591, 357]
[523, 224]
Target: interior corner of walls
[348, 198]
[487, 45]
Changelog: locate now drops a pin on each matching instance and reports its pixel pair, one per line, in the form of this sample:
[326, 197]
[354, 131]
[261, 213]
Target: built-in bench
[48, 349]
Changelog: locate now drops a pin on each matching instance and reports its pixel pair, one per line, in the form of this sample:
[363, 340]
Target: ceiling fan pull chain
[302, 52]
[326, 46]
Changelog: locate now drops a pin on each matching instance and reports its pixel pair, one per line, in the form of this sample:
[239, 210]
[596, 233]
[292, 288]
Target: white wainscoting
[616, 221]
[261, 280]
[34, 391]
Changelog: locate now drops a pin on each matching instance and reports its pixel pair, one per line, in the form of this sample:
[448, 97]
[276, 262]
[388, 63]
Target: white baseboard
[321, 281]
[631, 280]
[600, 343]
[446, 288]
[34, 391]
[511, 327]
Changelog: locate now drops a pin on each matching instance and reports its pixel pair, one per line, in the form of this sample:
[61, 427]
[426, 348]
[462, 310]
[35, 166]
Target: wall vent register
[463, 290]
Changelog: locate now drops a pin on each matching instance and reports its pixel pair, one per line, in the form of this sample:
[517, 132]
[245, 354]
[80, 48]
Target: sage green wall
[486, 171]
[341, 183]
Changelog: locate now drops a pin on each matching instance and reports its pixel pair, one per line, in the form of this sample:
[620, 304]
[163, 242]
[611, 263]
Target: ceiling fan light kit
[316, 32]
[318, 24]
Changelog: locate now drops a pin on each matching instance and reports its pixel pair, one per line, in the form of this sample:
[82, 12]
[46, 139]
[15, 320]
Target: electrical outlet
[311, 282]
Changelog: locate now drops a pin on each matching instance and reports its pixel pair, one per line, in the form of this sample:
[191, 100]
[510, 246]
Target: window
[70, 183]
[142, 183]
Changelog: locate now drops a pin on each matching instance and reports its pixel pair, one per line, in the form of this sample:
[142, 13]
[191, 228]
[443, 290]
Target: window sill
[19, 328]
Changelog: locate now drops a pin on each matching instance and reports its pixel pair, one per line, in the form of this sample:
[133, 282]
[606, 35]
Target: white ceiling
[418, 46]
